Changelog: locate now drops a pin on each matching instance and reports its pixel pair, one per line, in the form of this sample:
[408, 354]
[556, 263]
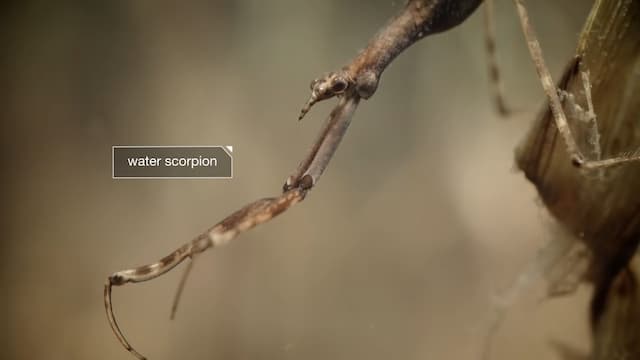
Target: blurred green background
[397, 253]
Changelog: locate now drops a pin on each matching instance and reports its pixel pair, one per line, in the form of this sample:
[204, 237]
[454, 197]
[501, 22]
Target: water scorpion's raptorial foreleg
[418, 19]
[357, 80]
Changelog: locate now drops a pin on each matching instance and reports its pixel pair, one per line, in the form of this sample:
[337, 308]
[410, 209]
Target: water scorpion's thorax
[445, 14]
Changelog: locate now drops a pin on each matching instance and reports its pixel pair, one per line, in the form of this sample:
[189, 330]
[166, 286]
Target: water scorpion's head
[330, 85]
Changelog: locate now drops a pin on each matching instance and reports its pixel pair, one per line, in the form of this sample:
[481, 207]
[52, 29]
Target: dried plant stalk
[604, 211]
[600, 208]
[615, 334]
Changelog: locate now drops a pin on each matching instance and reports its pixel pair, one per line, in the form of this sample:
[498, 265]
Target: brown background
[397, 254]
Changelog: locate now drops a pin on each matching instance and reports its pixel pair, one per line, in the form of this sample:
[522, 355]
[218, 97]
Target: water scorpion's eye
[339, 86]
[313, 84]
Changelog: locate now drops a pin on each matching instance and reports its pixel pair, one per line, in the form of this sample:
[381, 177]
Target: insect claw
[305, 109]
[112, 320]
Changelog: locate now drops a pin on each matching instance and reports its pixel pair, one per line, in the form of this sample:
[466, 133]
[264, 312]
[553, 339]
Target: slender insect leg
[341, 118]
[309, 170]
[183, 281]
[594, 135]
[548, 85]
[588, 117]
[573, 110]
[591, 118]
[495, 79]
[577, 158]
[148, 272]
[247, 217]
